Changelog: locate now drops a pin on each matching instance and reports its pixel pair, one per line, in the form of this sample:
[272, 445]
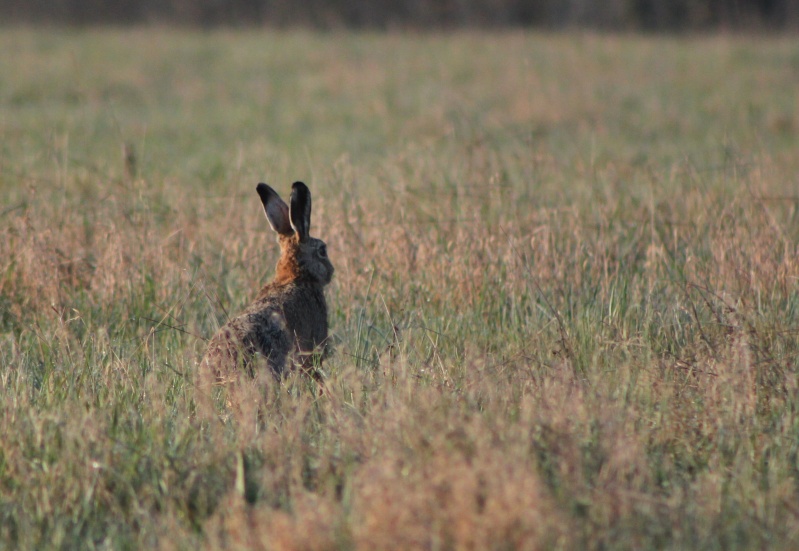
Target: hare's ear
[300, 209]
[277, 212]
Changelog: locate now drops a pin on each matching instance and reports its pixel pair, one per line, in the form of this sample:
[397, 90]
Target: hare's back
[259, 334]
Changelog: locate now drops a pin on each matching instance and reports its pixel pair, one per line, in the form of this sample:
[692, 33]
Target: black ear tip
[299, 187]
[263, 190]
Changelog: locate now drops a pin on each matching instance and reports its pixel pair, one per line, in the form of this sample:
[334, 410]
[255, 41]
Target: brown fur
[286, 325]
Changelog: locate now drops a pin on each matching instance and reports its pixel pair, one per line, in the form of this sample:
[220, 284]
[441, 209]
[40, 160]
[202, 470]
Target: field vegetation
[566, 305]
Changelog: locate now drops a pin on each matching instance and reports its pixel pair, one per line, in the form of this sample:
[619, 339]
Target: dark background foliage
[608, 14]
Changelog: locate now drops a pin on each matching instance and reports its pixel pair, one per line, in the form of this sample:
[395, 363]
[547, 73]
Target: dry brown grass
[565, 301]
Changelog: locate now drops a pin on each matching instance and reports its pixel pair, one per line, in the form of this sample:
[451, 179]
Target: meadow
[565, 309]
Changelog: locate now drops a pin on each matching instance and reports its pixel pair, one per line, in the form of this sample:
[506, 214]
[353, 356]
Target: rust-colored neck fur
[288, 269]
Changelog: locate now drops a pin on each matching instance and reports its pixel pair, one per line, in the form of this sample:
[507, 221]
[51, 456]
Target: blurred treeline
[387, 14]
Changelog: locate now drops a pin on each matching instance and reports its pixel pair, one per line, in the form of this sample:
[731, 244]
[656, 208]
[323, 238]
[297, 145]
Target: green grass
[566, 305]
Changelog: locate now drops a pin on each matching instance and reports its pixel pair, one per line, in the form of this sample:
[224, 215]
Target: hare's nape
[300, 212]
[277, 212]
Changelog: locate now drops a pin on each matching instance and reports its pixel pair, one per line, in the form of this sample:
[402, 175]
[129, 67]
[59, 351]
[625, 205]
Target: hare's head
[302, 257]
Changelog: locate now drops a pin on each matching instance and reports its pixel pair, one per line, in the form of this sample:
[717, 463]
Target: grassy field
[566, 306]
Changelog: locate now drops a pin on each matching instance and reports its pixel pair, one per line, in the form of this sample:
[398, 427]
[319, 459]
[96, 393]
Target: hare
[287, 322]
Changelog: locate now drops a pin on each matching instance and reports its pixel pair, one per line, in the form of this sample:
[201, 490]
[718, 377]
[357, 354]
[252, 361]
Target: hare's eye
[323, 251]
